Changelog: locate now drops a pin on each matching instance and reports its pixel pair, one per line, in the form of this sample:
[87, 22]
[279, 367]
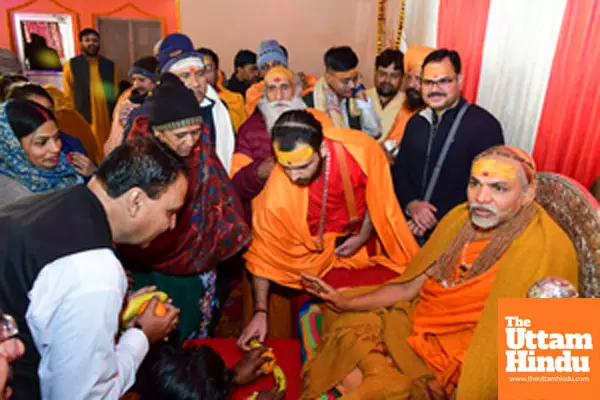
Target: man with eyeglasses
[178, 56]
[431, 172]
[234, 101]
[341, 94]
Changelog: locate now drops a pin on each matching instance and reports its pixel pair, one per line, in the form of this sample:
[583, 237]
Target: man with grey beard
[253, 159]
[441, 323]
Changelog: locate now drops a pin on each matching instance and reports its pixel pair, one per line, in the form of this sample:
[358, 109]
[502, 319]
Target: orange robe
[283, 246]
[255, 92]
[444, 319]
[543, 249]
[397, 129]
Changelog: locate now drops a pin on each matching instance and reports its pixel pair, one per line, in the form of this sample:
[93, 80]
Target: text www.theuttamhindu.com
[557, 379]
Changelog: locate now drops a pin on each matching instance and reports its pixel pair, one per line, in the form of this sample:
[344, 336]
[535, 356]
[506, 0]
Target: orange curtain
[568, 138]
[461, 27]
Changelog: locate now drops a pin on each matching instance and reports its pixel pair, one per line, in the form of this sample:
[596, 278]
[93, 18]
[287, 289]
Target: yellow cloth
[99, 107]
[72, 123]
[282, 246]
[235, 105]
[387, 115]
[543, 249]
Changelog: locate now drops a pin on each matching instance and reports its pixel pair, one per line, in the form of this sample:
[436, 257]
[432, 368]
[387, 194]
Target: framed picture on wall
[44, 42]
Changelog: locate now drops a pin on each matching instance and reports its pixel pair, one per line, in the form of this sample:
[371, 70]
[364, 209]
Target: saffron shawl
[210, 226]
[15, 164]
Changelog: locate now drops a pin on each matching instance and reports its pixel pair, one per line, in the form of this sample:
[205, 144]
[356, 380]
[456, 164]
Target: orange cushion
[287, 352]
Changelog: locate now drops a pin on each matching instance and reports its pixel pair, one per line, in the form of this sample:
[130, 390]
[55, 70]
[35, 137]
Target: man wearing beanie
[270, 54]
[178, 56]
[142, 76]
[210, 226]
[246, 72]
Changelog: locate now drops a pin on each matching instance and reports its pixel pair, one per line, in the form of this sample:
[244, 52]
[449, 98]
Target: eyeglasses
[442, 82]
[8, 327]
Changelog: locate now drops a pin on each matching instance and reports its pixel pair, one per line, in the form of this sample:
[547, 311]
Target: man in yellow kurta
[91, 81]
[234, 101]
[328, 209]
[387, 96]
[432, 333]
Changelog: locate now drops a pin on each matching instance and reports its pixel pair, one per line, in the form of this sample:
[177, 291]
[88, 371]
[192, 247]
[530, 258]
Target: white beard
[271, 111]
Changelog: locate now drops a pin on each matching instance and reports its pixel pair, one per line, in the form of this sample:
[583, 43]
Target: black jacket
[479, 130]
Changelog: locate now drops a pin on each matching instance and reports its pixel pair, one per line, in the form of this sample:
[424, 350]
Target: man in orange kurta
[413, 101]
[438, 321]
[328, 210]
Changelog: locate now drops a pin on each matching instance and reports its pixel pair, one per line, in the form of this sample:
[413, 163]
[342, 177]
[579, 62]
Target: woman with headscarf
[30, 152]
[210, 227]
[71, 146]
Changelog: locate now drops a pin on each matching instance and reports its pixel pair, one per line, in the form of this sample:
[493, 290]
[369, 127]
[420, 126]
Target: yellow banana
[279, 378]
[134, 304]
[277, 371]
[254, 343]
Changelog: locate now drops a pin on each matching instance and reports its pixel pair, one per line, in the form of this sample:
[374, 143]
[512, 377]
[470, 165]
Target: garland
[400, 26]
[381, 25]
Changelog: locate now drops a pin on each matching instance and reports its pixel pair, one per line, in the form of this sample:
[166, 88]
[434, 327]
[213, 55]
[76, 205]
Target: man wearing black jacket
[432, 168]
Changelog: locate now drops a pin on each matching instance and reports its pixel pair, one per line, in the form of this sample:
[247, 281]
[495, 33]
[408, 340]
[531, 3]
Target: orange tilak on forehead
[493, 169]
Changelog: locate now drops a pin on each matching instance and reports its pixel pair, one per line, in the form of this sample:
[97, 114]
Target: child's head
[185, 374]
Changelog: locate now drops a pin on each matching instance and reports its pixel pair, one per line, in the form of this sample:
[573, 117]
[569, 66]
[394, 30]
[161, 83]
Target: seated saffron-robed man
[327, 209]
[438, 321]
